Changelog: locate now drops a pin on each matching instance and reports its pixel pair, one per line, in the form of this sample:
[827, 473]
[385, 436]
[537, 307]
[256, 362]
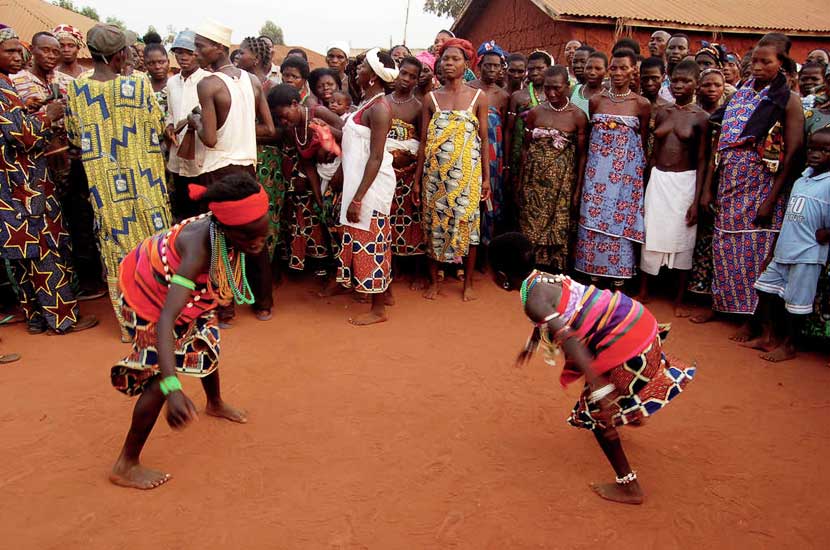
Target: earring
[506, 285]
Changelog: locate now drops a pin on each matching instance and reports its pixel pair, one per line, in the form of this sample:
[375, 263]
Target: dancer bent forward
[170, 285]
[609, 338]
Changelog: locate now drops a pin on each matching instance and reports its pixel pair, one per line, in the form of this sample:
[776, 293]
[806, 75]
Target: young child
[609, 338]
[791, 278]
[341, 104]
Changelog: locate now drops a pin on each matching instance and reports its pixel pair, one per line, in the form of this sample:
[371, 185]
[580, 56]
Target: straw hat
[216, 32]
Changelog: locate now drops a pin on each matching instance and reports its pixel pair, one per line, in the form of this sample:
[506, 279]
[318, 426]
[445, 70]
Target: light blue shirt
[807, 211]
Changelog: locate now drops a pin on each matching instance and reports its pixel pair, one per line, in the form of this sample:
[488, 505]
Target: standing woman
[158, 68]
[611, 209]
[255, 57]
[365, 257]
[453, 166]
[710, 97]
[403, 144]
[552, 169]
[762, 131]
[594, 74]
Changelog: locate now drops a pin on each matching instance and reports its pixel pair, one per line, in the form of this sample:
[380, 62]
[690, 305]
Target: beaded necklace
[229, 281]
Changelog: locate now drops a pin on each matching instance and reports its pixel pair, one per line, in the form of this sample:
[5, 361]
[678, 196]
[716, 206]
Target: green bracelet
[182, 281]
[169, 385]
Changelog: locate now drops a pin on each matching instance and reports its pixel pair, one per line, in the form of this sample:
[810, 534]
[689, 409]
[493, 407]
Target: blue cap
[185, 40]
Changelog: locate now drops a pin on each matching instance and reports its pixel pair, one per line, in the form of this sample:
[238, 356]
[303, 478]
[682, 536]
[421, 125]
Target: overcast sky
[310, 23]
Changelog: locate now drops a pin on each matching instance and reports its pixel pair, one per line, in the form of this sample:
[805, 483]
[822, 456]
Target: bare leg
[215, 405]
[680, 310]
[388, 297]
[642, 297]
[785, 351]
[128, 471]
[469, 294]
[609, 442]
[434, 284]
[375, 315]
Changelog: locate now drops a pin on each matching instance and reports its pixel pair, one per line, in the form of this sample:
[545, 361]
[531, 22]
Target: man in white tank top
[234, 113]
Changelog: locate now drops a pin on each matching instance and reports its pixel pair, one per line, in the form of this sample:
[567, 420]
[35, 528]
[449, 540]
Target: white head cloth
[385, 73]
[341, 45]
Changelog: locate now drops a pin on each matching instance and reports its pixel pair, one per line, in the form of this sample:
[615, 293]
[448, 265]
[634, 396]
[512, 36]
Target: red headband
[234, 213]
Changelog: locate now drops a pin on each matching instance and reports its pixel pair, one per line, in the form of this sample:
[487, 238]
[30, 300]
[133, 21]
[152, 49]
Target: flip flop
[9, 358]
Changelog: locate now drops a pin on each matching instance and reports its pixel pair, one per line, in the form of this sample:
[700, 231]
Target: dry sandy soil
[415, 434]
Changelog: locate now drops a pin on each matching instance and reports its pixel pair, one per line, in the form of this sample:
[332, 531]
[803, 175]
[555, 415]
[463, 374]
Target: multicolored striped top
[611, 325]
[144, 284]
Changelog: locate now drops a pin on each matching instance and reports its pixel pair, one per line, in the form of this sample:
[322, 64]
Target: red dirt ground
[414, 434]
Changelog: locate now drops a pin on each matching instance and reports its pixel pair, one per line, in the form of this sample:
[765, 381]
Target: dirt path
[414, 434]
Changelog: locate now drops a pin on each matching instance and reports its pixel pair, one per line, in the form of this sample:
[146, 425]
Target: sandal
[9, 358]
[263, 314]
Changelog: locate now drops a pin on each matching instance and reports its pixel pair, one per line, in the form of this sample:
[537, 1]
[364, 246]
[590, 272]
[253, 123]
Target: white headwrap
[341, 45]
[385, 73]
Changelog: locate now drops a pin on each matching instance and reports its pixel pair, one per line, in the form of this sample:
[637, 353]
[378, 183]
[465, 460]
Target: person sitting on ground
[170, 286]
[610, 339]
[787, 287]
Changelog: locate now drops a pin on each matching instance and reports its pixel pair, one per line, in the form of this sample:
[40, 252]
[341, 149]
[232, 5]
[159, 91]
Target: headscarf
[68, 31]
[463, 45]
[715, 51]
[427, 59]
[234, 213]
[341, 45]
[489, 47]
[7, 33]
[385, 73]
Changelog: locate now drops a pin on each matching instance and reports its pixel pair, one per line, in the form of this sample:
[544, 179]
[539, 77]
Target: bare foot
[332, 288]
[638, 423]
[626, 494]
[469, 294]
[223, 410]
[361, 298]
[761, 343]
[682, 312]
[137, 476]
[388, 297]
[432, 291]
[743, 334]
[370, 318]
[416, 284]
[704, 317]
[779, 354]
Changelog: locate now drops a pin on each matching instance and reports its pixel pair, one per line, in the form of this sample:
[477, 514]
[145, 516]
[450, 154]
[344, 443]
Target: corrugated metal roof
[790, 15]
[28, 17]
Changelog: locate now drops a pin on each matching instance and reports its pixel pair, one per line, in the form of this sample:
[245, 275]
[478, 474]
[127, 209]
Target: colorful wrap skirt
[365, 258]
[197, 351]
[643, 385]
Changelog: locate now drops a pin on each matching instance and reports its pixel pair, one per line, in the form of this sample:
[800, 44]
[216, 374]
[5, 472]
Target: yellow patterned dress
[118, 124]
[452, 183]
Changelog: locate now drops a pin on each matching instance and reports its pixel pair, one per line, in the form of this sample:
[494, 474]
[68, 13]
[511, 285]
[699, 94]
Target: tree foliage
[444, 8]
[272, 31]
[86, 11]
[92, 13]
[112, 20]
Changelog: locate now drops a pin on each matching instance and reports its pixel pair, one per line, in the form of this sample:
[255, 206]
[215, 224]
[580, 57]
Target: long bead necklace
[550, 106]
[534, 99]
[231, 281]
[305, 132]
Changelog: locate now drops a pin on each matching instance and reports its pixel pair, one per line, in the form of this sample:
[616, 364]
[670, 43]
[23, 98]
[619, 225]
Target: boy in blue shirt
[788, 284]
